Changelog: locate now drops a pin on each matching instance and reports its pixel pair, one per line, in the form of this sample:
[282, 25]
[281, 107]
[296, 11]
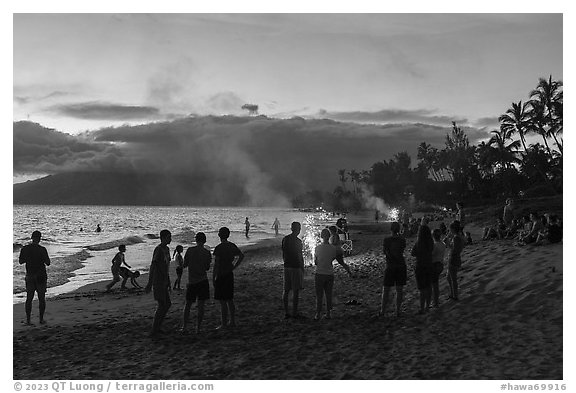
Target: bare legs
[161, 311]
[227, 306]
[386, 297]
[452, 278]
[199, 317]
[295, 296]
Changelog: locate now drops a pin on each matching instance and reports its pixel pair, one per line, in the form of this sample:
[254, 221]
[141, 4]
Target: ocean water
[81, 256]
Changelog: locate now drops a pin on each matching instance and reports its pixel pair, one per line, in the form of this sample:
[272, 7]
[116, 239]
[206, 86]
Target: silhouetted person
[376, 215]
[395, 273]
[197, 260]
[508, 214]
[36, 259]
[98, 229]
[276, 226]
[179, 265]
[422, 250]
[159, 279]
[293, 268]
[456, 244]
[117, 262]
[224, 255]
[247, 224]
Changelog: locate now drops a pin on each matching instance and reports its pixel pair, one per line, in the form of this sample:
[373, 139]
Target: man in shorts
[293, 269]
[197, 260]
[36, 259]
[395, 273]
[223, 274]
[159, 279]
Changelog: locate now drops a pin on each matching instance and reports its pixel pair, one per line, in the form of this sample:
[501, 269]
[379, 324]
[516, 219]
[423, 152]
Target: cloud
[391, 116]
[268, 160]
[104, 111]
[40, 150]
[172, 86]
[226, 102]
[491, 122]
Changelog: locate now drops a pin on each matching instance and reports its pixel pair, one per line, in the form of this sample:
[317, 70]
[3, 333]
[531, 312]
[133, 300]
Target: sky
[77, 72]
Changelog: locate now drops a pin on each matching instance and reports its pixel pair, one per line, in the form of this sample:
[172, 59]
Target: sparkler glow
[394, 214]
[310, 236]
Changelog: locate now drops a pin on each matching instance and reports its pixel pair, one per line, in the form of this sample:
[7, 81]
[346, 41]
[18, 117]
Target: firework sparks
[310, 236]
[394, 214]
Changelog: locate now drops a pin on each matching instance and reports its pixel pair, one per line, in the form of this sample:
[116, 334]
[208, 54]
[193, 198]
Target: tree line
[501, 166]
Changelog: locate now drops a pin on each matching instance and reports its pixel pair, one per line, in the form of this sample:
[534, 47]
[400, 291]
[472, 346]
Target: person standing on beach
[223, 274]
[324, 254]
[276, 226]
[437, 265]
[508, 214]
[293, 268]
[159, 279]
[456, 244]
[36, 259]
[461, 216]
[247, 224]
[98, 229]
[117, 262]
[395, 273]
[422, 250]
[179, 265]
[197, 260]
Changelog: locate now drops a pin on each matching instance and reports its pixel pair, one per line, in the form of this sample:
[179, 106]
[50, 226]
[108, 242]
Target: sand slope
[508, 325]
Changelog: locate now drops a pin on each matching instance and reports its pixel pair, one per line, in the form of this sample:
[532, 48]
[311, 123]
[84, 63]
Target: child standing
[177, 256]
[324, 255]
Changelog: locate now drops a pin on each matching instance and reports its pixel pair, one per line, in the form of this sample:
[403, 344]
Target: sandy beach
[507, 325]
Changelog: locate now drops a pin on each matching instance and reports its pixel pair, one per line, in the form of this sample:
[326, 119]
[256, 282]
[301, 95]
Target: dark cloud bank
[206, 160]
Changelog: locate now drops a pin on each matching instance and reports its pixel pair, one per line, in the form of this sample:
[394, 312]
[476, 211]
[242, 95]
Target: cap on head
[36, 235]
[224, 233]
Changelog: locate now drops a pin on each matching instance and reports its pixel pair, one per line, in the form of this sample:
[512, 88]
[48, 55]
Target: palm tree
[355, 178]
[505, 154]
[516, 120]
[550, 96]
[342, 175]
[537, 122]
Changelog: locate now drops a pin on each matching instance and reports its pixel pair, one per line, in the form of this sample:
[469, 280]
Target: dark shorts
[200, 290]
[435, 272]
[224, 287]
[293, 279]
[179, 270]
[423, 276]
[36, 283]
[324, 282]
[395, 275]
[162, 294]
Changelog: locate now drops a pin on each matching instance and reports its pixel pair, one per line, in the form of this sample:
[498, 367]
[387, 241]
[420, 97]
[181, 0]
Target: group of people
[533, 229]
[428, 250]
[198, 260]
